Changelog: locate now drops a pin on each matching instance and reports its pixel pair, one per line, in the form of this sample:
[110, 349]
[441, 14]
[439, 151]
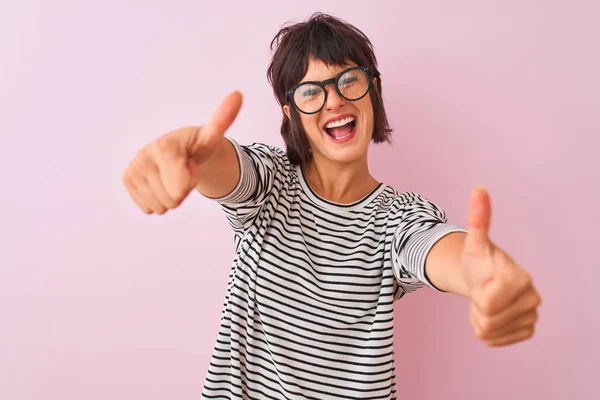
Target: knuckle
[129, 174]
[173, 193]
[477, 331]
[486, 305]
[180, 199]
[534, 301]
[142, 163]
[535, 318]
[172, 203]
[525, 279]
[142, 156]
[162, 145]
[538, 299]
[486, 327]
[126, 178]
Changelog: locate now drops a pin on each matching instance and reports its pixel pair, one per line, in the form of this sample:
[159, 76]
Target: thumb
[477, 242]
[477, 265]
[222, 119]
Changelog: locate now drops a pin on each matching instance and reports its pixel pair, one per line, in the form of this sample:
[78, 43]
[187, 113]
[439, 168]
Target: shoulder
[262, 154]
[270, 162]
[265, 151]
[411, 203]
[264, 147]
[396, 199]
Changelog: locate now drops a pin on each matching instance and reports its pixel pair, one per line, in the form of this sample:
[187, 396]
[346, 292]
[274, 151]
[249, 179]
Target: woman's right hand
[164, 172]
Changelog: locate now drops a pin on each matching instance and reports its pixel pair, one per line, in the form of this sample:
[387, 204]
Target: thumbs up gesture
[164, 172]
[503, 300]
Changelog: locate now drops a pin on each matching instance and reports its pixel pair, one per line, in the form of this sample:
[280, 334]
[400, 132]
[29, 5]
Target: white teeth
[340, 122]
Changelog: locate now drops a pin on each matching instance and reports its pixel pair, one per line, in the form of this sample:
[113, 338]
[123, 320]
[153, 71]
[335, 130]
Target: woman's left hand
[503, 300]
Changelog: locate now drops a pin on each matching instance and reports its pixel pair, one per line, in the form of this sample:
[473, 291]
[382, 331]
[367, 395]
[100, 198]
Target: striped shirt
[308, 312]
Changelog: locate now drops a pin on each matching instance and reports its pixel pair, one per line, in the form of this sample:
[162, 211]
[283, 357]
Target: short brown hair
[334, 42]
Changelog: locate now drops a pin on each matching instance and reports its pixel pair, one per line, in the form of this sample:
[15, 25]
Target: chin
[346, 151]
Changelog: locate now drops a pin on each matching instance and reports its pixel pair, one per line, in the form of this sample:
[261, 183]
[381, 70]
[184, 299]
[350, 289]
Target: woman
[322, 248]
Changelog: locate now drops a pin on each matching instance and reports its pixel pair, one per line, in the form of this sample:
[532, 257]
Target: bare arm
[219, 176]
[442, 265]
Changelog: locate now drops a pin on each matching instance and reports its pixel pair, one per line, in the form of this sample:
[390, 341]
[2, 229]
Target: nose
[334, 100]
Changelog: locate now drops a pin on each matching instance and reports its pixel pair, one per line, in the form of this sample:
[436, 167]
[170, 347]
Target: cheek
[367, 113]
[311, 125]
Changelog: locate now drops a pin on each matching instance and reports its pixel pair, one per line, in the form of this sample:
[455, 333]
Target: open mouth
[341, 129]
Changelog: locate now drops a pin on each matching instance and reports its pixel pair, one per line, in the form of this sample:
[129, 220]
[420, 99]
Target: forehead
[319, 71]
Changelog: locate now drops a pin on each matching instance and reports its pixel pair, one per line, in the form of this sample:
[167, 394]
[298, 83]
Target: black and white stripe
[309, 307]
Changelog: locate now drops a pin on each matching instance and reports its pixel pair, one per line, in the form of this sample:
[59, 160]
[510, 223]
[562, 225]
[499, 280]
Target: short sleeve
[421, 225]
[260, 166]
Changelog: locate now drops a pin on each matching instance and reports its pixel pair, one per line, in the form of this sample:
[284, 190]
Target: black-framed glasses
[310, 97]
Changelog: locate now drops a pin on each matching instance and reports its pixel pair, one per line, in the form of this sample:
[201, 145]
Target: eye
[348, 79]
[310, 91]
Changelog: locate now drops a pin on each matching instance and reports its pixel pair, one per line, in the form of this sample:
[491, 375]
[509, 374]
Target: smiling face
[342, 130]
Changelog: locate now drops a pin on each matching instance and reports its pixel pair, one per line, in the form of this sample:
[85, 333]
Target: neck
[340, 183]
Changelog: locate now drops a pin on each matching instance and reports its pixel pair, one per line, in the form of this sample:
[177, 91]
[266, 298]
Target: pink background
[98, 301]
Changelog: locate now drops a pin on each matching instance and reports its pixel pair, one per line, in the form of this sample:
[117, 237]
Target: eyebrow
[333, 77]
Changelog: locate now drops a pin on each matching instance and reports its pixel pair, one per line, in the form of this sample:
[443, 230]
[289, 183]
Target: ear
[286, 110]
